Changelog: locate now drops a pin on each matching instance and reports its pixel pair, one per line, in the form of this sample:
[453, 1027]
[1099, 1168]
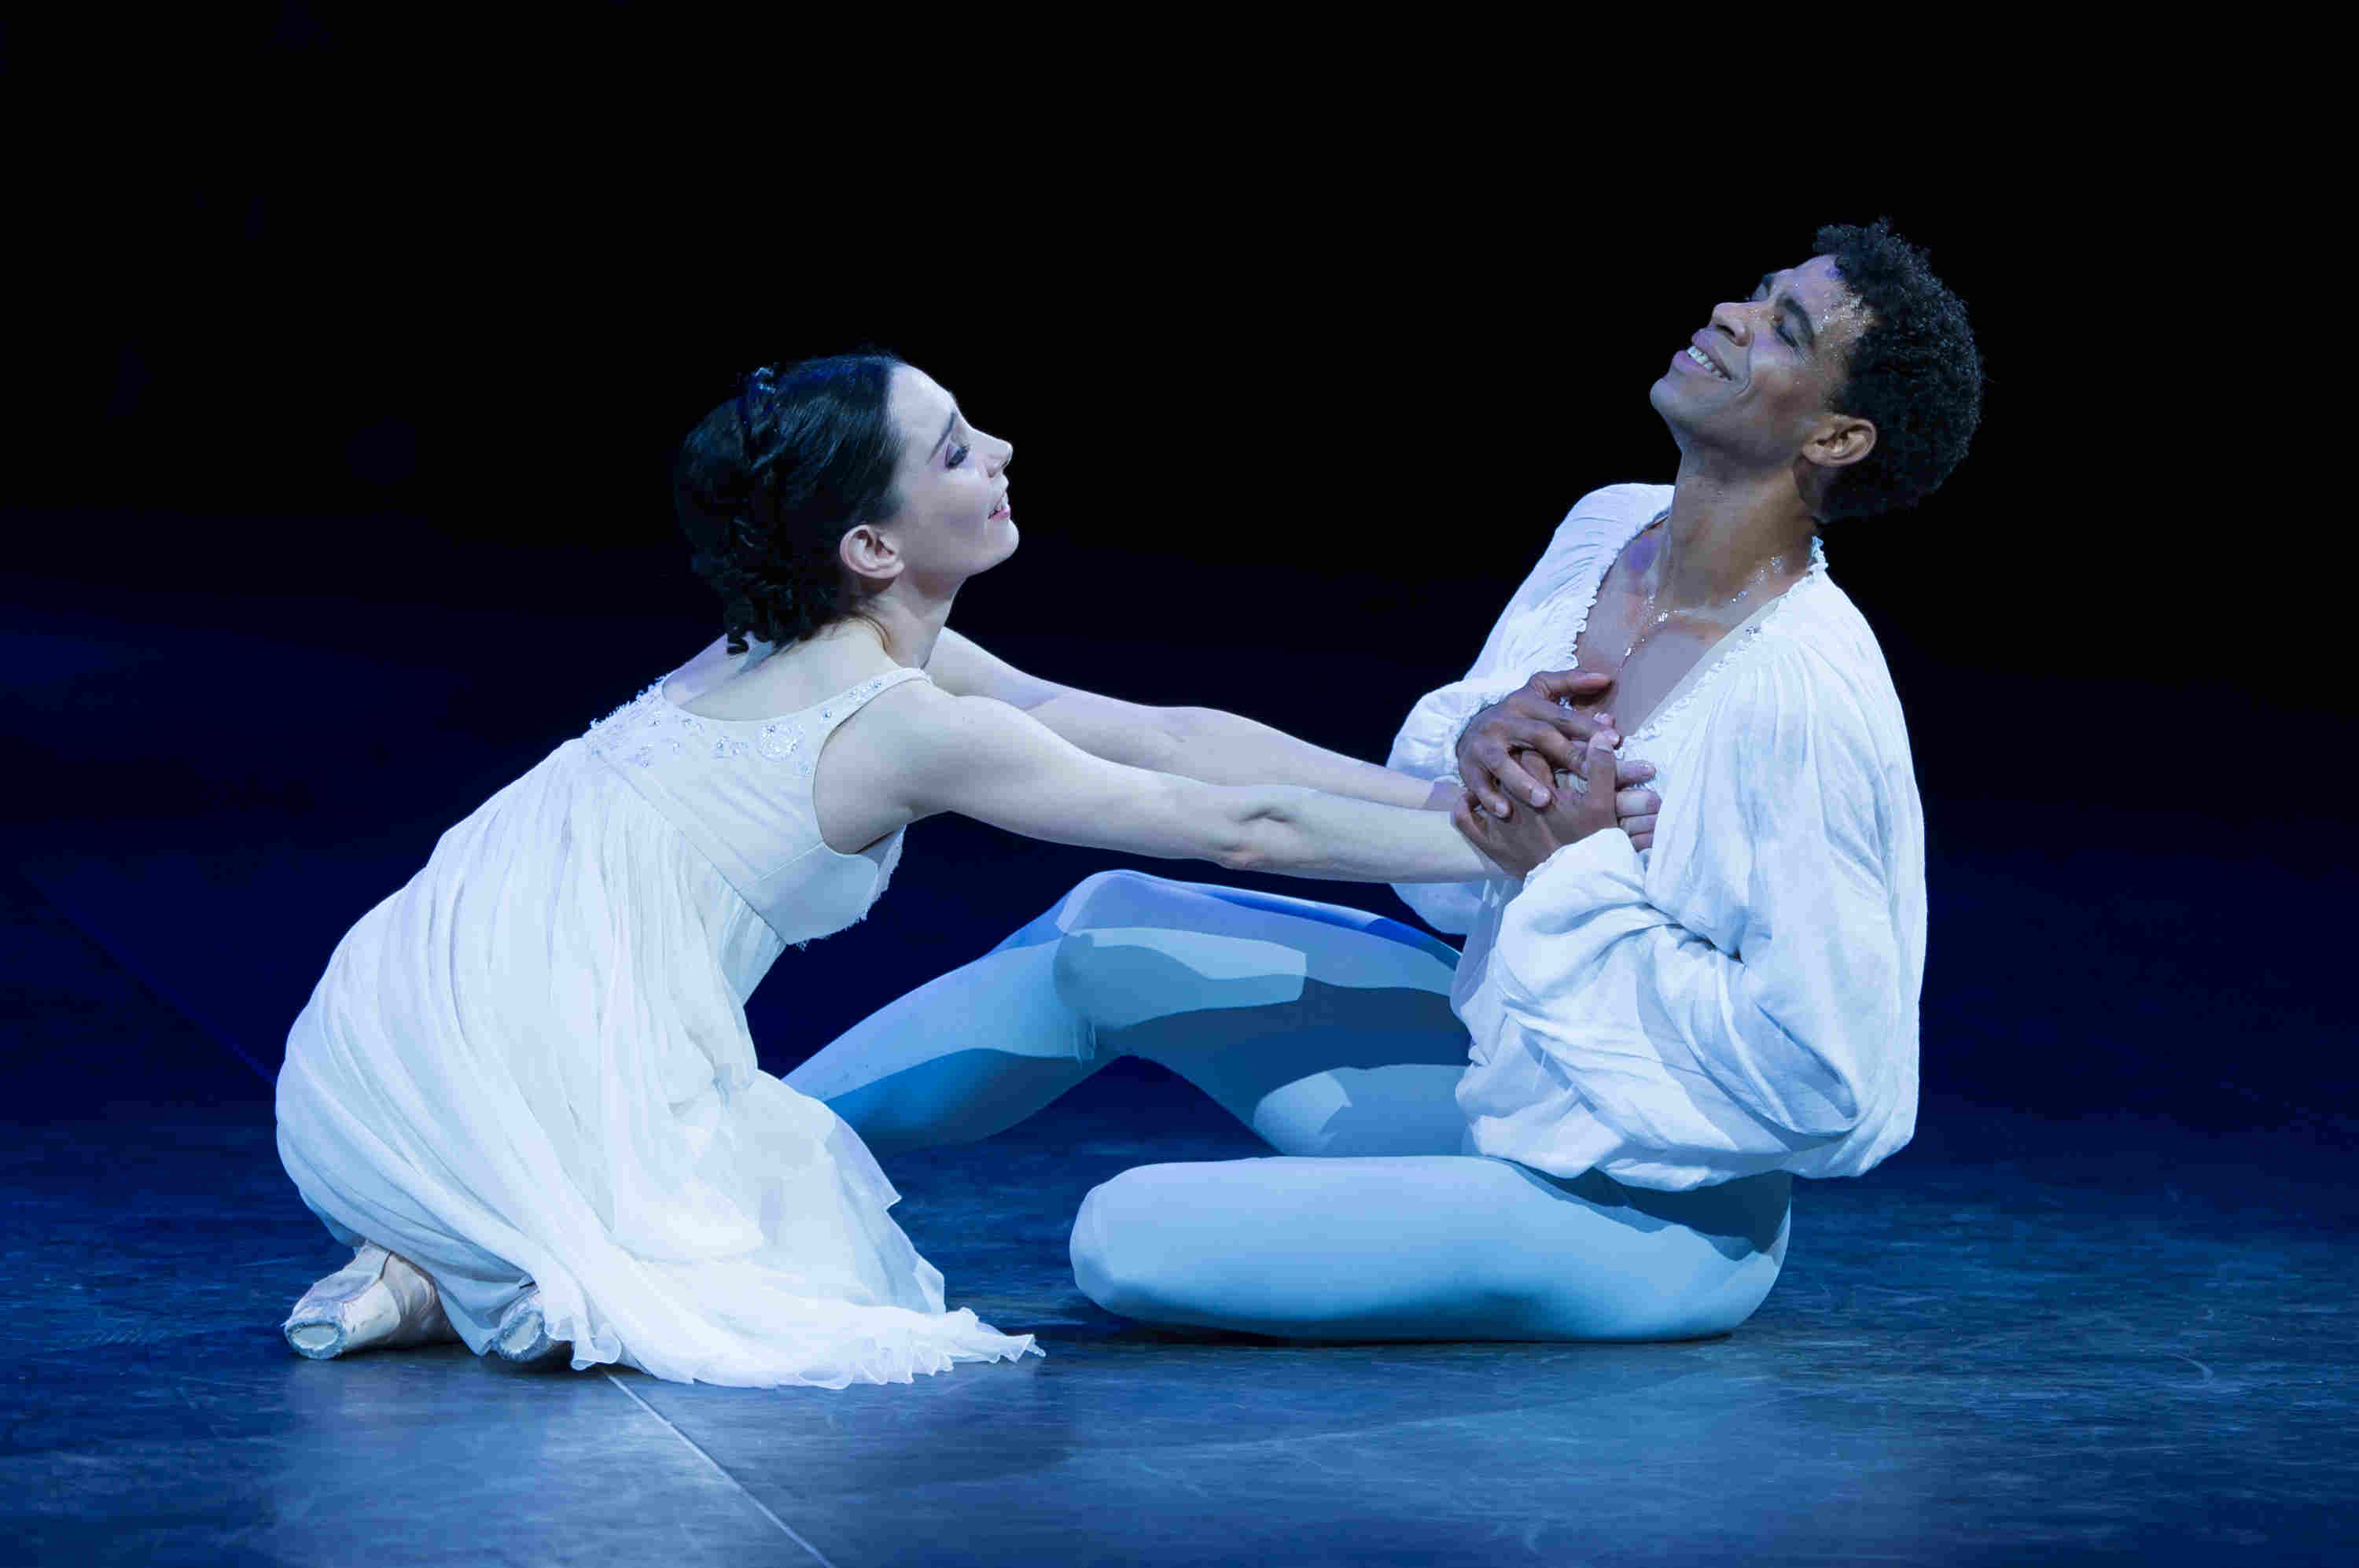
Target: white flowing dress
[530, 1067]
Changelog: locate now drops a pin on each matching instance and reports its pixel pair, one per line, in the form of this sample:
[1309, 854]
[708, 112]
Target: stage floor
[2107, 1339]
[2140, 1354]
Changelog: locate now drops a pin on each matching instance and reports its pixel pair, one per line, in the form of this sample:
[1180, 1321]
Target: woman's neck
[904, 618]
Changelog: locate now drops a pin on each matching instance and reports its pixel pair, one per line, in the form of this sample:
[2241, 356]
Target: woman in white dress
[523, 1090]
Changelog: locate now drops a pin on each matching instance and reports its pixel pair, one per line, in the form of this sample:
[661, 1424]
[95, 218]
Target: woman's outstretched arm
[983, 758]
[1204, 744]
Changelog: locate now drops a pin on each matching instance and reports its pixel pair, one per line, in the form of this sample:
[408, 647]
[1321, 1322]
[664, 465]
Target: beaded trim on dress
[651, 727]
[634, 732]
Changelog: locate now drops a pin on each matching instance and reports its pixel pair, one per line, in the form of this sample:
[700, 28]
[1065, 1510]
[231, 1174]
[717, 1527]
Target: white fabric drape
[530, 1066]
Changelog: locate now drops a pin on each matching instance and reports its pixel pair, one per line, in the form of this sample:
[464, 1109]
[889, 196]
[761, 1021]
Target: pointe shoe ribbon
[376, 1300]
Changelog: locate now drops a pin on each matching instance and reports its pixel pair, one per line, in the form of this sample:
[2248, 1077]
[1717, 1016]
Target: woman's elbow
[1253, 834]
[1239, 848]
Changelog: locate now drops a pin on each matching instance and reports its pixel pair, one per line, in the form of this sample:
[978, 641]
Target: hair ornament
[764, 381]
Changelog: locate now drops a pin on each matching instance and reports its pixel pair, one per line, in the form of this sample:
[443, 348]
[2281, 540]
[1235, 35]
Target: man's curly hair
[768, 483]
[1914, 373]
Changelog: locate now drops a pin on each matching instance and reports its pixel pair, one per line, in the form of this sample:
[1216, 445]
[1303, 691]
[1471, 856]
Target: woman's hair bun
[767, 484]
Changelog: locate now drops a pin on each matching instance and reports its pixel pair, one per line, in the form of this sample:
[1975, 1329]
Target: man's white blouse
[1742, 995]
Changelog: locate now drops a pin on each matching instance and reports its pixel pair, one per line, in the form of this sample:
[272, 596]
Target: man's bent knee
[1120, 897]
[1109, 1258]
[1118, 976]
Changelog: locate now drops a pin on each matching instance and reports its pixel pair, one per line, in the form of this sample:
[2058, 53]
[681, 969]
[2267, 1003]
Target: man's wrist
[1458, 741]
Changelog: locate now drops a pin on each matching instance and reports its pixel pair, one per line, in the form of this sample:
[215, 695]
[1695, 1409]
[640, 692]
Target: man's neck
[1727, 534]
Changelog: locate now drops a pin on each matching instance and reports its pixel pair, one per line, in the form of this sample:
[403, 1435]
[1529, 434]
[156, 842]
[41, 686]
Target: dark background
[339, 498]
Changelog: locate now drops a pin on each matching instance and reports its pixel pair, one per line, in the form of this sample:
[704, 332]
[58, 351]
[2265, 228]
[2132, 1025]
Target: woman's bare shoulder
[919, 743]
[918, 718]
[907, 751]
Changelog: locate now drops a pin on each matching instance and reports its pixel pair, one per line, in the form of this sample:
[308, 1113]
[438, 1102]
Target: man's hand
[1584, 806]
[1517, 745]
[1633, 809]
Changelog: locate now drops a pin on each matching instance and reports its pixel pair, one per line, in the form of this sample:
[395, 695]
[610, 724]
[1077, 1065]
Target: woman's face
[955, 519]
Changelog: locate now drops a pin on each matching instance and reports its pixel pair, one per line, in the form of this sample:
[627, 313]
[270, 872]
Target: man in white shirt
[1666, 1018]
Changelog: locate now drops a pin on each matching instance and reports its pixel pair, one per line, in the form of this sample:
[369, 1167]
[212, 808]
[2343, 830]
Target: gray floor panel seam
[784, 1527]
[1290, 1444]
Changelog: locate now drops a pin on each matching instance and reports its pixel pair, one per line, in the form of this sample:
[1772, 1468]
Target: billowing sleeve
[1536, 630]
[1427, 747]
[1746, 994]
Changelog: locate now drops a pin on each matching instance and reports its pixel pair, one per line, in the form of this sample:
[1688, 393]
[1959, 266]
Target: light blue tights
[1329, 1033]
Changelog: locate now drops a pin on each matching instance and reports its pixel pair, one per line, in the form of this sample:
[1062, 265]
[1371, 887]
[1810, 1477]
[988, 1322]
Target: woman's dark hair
[768, 483]
[1914, 373]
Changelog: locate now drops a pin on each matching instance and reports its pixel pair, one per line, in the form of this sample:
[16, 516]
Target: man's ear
[1842, 443]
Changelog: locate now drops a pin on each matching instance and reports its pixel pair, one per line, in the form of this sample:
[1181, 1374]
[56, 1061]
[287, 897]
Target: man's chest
[1646, 652]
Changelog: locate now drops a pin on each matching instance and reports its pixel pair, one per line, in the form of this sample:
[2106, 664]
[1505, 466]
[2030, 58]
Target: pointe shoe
[376, 1300]
[522, 1338]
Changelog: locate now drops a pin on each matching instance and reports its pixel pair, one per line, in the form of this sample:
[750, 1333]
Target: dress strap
[844, 704]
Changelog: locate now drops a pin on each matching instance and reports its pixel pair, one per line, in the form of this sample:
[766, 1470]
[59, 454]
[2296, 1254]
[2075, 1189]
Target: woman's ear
[870, 554]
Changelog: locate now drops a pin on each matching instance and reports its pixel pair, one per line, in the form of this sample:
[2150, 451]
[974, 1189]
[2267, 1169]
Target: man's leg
[1326, 1030]
[1436, 1247]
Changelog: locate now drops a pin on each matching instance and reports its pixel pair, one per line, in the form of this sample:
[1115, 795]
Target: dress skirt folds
[530, 1067]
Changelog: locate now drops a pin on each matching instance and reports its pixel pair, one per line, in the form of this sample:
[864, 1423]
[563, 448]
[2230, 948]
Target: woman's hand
[1583, 805]
[1634, 811]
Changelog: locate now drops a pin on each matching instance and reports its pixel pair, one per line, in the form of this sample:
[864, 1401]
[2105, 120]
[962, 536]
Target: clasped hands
[1561, 762]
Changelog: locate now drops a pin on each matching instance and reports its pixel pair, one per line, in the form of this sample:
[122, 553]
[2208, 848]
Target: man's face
[1780, 355]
